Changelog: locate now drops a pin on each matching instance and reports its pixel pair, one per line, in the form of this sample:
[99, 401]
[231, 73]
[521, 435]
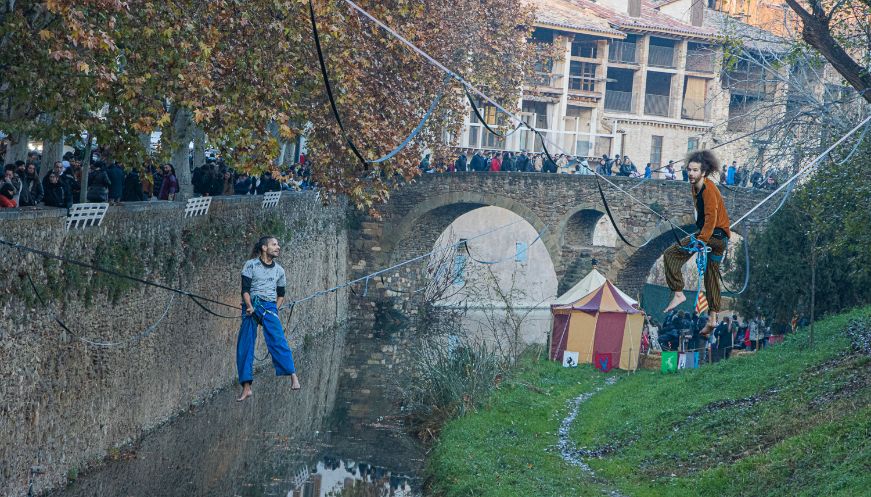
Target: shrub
[449, 380]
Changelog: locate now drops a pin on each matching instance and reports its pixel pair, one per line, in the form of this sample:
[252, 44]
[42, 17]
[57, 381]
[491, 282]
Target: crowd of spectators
[22, 185]
[680, 331]
[111, 182]
[495, 161]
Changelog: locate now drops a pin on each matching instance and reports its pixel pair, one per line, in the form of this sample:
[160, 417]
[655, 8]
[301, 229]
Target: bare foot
[246, 392]
[678, 299]
[709, 326]
[294, 382]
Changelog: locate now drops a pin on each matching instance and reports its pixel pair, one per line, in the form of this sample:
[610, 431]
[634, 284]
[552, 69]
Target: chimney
[620, 6]
[634, 8]
[697, 12]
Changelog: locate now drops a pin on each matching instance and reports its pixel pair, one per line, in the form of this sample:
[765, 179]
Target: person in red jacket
[7, 196]
[712, 222]
[496, 163]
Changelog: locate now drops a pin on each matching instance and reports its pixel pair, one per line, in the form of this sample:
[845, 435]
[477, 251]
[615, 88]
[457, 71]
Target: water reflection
[277, 443]
[334, 477]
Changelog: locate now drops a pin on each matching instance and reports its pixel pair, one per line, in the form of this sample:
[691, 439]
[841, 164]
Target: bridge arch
[417, 230]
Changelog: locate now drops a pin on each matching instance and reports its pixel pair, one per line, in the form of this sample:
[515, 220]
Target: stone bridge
[564, 208]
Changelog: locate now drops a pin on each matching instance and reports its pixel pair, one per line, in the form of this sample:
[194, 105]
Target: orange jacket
[715, 215]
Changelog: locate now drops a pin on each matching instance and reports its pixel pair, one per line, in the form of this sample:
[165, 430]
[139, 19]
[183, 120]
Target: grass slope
[786, 421]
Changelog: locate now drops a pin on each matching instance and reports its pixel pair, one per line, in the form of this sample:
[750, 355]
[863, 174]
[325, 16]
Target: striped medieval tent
[602, 326]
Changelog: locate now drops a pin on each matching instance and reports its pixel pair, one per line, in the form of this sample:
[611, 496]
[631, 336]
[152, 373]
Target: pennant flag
[603, 362]
[701, 303]
[669, 362]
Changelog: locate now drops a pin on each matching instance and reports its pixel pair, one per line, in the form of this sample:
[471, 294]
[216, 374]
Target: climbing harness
[701, 251]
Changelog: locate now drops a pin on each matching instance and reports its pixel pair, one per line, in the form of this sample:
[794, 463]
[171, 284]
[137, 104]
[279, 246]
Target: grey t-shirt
[264, 279]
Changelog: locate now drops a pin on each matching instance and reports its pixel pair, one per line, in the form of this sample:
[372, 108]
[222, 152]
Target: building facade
[630, 77]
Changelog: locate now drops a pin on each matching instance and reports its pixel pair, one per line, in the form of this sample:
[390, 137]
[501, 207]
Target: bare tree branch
[817, 33]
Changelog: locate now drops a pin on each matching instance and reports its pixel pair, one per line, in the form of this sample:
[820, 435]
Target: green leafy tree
[825, 224]
[246, 75]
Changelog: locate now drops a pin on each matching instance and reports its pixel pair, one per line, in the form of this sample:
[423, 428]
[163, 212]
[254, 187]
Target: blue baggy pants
[282, 358]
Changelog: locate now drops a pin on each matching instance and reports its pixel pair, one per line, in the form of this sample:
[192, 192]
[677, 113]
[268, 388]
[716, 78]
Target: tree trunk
[199, 155]
[17, 148]
[817, 33]
[182, 134]
[52, 151]
[86, 166]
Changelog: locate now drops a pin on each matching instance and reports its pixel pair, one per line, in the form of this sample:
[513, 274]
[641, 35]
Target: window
[582, 76]
[584, 48]
[542, 35]
[655, 150]
[459, 268]
[692, 144]
[478, 136]
[539, 109]
[521, 253]
[574, 111]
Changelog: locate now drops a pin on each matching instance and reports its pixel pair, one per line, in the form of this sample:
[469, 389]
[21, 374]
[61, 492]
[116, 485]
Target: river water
[342, 435]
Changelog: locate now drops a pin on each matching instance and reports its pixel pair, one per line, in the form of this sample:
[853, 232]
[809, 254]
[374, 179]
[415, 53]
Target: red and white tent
[599, 322]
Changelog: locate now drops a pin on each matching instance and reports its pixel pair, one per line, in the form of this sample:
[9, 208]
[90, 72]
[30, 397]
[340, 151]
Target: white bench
[270, 199]
[197, 206]
[84, 215]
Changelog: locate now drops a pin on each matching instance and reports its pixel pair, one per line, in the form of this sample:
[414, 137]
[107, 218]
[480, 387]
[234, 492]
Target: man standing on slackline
[712, 221]
[263, 282]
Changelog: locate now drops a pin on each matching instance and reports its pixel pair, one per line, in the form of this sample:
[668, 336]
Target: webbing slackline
[329, 87]
[194, 297]
[468, 86]
[133, 339]
[610, 216]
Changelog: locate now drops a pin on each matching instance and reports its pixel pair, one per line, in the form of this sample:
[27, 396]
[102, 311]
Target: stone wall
[66, 404]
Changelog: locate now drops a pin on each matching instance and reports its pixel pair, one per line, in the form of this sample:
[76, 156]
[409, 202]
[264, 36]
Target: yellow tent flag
[701, 303]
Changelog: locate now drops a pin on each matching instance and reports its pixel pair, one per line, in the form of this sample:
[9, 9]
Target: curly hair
[706, 159]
